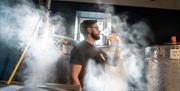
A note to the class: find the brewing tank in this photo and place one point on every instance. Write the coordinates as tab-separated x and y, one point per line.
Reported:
163	69
19	86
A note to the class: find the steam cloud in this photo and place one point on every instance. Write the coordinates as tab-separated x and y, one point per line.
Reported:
127	71
20	22
22	25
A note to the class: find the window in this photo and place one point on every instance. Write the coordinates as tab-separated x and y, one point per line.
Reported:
103	21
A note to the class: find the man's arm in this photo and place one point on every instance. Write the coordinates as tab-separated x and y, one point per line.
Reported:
75	70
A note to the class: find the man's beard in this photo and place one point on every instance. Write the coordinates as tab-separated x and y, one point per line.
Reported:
95	36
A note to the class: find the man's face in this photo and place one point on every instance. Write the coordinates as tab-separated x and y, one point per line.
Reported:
95	32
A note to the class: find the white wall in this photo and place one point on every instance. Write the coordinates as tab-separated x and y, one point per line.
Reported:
163	4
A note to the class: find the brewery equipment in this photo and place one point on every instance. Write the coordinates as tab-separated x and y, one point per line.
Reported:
163	69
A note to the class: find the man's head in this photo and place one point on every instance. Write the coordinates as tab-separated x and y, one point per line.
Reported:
90	27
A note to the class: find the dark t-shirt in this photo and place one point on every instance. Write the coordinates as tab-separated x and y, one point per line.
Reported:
84	51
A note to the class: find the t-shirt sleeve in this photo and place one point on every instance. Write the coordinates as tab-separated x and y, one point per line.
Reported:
77	56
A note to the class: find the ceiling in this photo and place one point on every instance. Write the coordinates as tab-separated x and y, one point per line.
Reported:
163	4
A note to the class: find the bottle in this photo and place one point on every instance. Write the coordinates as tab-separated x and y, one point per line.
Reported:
173	40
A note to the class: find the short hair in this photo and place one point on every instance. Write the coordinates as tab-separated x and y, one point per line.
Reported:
85	24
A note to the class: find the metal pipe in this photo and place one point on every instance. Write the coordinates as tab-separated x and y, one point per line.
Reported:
48	4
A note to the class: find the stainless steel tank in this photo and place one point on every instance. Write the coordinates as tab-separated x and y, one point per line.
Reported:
29	88
163	70
18	86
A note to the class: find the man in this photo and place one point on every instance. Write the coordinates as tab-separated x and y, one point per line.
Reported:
85	50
